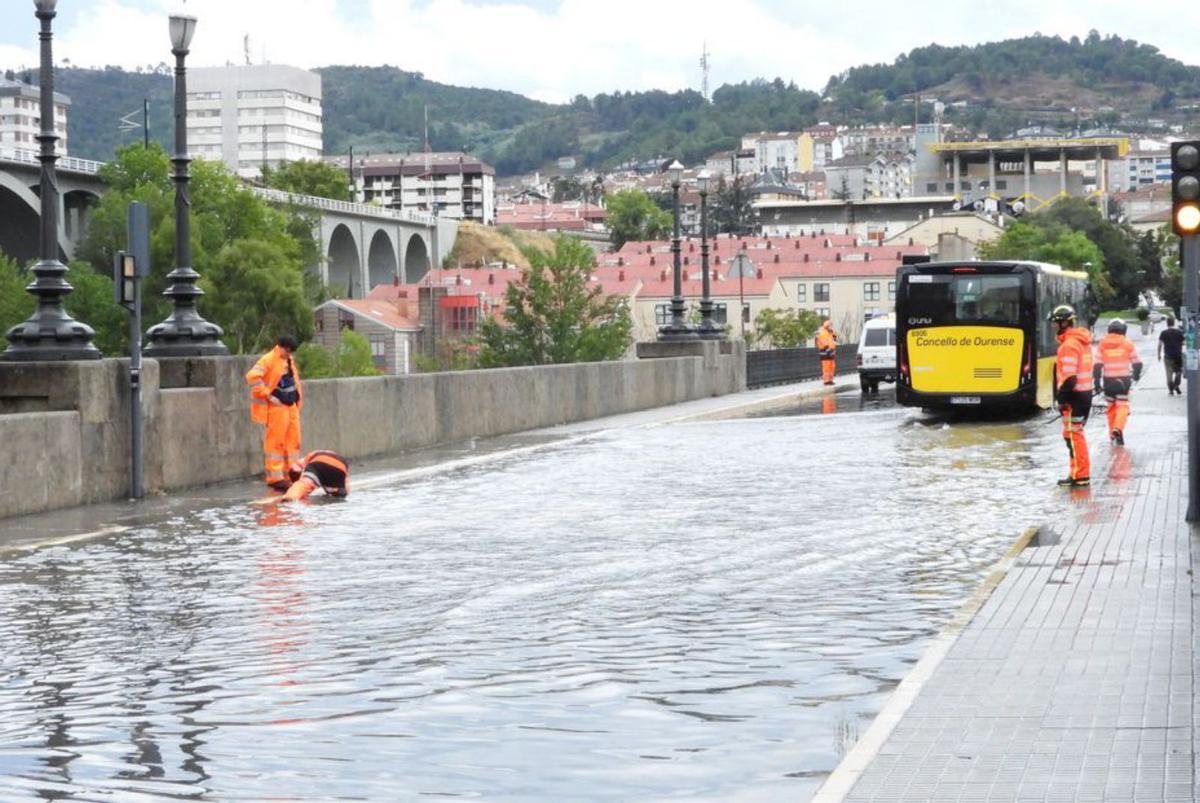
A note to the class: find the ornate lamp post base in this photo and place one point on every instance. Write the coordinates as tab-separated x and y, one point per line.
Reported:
50	334
672	333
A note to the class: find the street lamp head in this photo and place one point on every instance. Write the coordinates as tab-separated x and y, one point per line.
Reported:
182	28
702	181
675	171
45	6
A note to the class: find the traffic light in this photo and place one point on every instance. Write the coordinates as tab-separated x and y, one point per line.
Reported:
1185	187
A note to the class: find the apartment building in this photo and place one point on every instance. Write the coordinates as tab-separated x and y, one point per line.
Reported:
451	184
248	116
1139	169
21	117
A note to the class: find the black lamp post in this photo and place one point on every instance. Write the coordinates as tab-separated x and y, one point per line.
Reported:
184	333
708	328
49	333
678	328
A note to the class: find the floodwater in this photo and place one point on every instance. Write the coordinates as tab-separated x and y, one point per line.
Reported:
710	610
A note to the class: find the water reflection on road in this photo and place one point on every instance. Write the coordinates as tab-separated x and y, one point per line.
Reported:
695	611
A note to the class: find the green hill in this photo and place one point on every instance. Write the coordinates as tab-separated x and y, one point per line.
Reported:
993	88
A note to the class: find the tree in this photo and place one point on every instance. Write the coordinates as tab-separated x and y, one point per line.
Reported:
633	215
732	211
15	304
92	302
257	293
352	358
277	245
784	329
553	316
321	179
1047	241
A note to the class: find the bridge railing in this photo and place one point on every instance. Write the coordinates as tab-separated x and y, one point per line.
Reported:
345	207
779	366
70	163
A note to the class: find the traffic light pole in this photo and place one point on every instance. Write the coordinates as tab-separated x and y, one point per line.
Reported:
1190	264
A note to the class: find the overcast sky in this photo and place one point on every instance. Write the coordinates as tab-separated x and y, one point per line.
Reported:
555	49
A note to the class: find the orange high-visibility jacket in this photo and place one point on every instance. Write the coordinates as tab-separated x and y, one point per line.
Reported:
263	379
1118	356
1075	359
826	343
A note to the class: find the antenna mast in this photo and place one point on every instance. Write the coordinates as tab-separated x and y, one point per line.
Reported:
246	48
705	66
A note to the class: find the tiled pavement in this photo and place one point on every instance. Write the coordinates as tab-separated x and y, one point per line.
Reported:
1074	680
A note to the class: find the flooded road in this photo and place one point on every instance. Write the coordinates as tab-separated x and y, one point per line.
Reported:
694	611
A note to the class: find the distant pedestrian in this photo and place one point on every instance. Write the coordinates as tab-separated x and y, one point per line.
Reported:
275	401
827	351
1170	351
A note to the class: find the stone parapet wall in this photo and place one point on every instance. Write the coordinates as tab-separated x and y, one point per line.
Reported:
64	427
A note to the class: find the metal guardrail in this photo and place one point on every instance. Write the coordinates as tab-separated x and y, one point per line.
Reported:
69	163
89	167
345	207
778	366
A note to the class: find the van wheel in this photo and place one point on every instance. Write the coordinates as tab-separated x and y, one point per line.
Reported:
865	384
875	387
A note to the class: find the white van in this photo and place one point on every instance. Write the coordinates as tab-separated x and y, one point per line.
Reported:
877	352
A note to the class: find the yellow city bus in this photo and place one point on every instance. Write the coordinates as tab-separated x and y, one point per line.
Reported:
975	335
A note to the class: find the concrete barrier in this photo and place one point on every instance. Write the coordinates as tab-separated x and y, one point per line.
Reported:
65	426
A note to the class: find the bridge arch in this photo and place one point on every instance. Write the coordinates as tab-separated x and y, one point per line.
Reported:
416	259
382	265
344	265
20	221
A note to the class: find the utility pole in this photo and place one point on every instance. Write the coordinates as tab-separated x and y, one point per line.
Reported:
1185	220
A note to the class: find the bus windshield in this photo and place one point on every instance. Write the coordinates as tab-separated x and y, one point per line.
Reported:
945	300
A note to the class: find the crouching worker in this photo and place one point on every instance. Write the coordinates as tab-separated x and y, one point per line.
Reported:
326	470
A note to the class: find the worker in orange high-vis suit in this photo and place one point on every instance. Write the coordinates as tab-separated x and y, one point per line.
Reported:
1117	368
275	401
323	469
827	351
1073	391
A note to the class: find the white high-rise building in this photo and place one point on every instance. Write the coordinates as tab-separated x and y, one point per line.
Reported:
248	116
21	117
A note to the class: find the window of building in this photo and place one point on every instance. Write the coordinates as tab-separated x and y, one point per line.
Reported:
379	352
801	293
463	319
720	314
821	291
931	187
891	291
662	315
822	313
745	312
1001	184
345	320
949	186
870	291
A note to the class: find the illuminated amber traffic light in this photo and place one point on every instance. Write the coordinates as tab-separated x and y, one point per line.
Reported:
1185	187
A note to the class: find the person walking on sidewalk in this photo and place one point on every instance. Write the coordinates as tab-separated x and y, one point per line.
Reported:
1170	352
1117	367
827	351
1073	391
275	401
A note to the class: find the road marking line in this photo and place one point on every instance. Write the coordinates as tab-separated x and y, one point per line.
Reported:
62	540
850	769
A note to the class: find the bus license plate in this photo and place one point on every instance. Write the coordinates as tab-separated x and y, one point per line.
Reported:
965	400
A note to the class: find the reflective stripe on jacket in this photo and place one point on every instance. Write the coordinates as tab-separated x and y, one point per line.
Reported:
1075	359
264	378
1117	354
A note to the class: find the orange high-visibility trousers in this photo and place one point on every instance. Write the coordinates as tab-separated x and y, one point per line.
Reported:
1077	448
1118	414
281	442
827	370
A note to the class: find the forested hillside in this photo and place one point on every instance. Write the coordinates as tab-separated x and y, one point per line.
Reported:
992	88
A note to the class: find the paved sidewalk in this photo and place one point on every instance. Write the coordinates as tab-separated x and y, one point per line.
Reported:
1074	680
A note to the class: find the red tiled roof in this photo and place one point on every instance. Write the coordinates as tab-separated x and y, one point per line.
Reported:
381	312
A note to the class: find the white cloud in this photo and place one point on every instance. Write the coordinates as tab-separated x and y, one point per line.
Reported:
579	46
